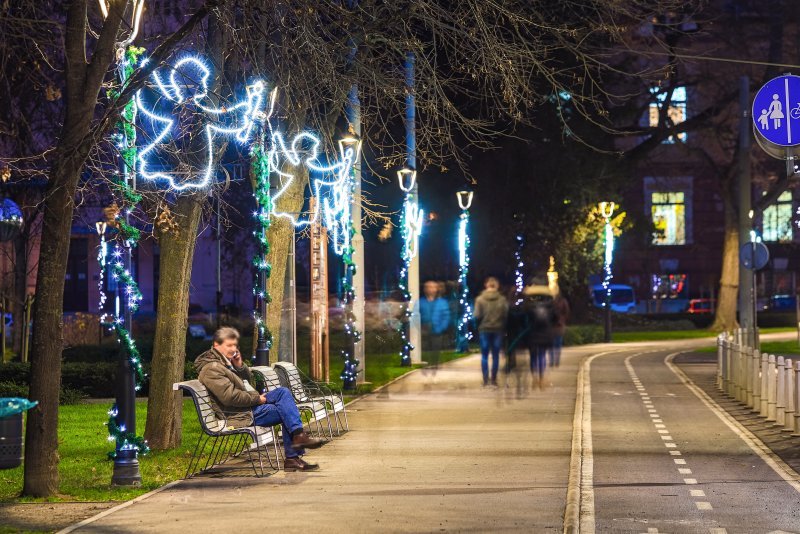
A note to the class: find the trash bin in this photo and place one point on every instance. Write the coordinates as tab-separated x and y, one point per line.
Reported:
11	430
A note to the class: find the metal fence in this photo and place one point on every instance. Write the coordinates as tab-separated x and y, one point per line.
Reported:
766	383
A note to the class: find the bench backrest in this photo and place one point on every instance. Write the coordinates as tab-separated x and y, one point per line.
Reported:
291	374
209	421
271	379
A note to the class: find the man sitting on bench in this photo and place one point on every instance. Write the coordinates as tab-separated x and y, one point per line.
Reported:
222	371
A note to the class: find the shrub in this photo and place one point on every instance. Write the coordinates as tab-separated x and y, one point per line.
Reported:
13	389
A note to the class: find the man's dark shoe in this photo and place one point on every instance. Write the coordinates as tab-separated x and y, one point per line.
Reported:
298	464
304	441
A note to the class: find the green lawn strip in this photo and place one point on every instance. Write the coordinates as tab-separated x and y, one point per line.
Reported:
667	335
86	473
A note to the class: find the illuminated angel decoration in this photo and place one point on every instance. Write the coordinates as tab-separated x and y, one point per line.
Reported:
331	189
182	93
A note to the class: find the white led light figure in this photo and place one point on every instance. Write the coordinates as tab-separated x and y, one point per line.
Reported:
606	211
136	14
235	122
332	191
463	334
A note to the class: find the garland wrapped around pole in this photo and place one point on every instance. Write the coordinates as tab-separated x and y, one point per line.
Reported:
349	149
121	421
410	230
463	334
260	169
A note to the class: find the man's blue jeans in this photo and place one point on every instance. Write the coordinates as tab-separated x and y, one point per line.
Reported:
538	358
555	351
490	341
280	408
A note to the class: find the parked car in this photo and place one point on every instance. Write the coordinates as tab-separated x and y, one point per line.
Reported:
701	306
623	299
783	302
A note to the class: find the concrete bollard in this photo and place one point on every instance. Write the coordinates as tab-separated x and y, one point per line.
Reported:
729	367
762	411
780	395
756	372
796	399
788	421
719	361
772	379
737	370
751	375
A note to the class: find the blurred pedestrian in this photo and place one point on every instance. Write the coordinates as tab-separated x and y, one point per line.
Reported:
434	314
539	316
561	310
491	312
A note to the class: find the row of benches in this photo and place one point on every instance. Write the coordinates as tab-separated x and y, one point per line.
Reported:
323	409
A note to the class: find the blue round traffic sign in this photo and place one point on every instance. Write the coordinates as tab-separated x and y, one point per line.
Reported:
754	256
776	111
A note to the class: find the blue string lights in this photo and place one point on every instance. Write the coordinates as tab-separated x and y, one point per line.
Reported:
463	333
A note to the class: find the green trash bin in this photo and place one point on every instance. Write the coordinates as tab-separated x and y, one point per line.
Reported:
11	430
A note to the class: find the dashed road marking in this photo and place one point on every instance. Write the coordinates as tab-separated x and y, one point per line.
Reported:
697	493
717	531
679	461
685	471
690	481
675	453
670	445
702	505
661	425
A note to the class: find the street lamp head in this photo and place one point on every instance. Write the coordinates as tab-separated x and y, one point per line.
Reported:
607	209
464	199
100	226
407	178
350	142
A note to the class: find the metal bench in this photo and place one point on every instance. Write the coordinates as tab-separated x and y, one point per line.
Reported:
306	390
315	409
228	442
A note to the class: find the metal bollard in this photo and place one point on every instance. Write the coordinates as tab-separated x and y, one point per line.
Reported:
749	365
780	396
762	411
788	421
796	399
756	372
737	369
772	380
720	359
729	366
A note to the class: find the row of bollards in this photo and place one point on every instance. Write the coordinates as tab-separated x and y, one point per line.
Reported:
766	383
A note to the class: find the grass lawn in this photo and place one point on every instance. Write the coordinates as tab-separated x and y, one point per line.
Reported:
86	473
667	335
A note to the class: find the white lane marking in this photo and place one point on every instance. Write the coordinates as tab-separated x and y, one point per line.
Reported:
660	425
697	493
670	445
675	453
690	481
662	430
652	410
657	420
679	461
685	471
756	445
702	505
666	438
717	531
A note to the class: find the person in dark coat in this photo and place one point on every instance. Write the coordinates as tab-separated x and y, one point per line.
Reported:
561	309
540	319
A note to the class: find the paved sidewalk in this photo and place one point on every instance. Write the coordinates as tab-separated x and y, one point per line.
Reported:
421	456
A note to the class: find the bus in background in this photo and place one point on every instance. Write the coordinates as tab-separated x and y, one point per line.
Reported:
623	299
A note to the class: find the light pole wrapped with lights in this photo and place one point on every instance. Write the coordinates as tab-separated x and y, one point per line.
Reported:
349	148
410	230
606	211
463	333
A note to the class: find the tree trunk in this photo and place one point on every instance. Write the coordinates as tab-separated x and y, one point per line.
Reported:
280	234
163	427
41	437
725	319
20	288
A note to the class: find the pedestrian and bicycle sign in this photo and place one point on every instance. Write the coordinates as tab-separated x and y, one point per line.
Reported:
776	115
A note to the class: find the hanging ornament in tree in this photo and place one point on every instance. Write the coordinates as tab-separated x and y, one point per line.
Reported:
165	221
11	221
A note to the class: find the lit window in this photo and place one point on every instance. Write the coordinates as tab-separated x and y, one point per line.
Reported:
676	113
776	222
669	218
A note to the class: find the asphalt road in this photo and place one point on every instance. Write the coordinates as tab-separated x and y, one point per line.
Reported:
632	448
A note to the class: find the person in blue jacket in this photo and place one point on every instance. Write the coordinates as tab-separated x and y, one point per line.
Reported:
434	314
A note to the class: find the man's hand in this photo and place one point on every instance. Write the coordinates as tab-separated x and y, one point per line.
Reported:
263	398
236	360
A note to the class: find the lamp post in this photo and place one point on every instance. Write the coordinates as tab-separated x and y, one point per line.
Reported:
606	211
463	334
349	148
410	228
